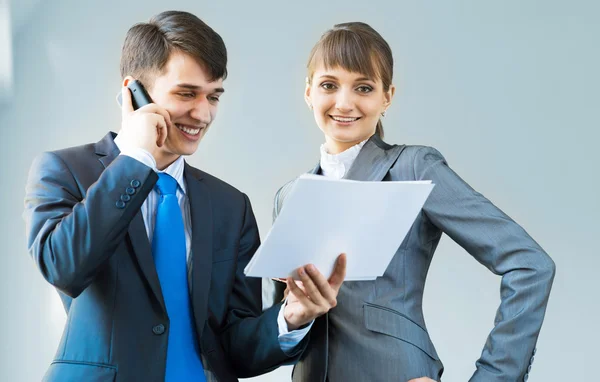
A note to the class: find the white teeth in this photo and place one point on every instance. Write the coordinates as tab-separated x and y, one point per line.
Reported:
342	119
188	130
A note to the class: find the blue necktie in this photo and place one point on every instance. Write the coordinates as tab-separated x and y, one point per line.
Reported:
170	258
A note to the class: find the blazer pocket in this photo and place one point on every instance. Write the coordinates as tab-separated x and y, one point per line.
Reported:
386	321
72	371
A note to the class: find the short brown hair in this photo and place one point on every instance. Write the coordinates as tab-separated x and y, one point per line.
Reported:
147	46
355	47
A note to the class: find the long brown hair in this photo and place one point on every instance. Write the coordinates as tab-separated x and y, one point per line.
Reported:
355	47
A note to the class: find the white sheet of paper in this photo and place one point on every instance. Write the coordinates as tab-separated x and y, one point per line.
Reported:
324	217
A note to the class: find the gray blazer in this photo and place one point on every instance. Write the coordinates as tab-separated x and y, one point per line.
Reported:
377	331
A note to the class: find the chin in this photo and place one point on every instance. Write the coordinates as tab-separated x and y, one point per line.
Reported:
188	151
346	137
183	149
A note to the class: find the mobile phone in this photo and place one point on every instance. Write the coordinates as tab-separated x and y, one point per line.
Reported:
139	95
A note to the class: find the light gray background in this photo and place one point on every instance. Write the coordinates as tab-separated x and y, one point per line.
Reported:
507	91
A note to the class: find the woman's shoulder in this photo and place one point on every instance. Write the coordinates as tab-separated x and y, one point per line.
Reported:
414	160
421	153
408	151
280	196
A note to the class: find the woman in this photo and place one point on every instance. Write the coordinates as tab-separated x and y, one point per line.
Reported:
377	331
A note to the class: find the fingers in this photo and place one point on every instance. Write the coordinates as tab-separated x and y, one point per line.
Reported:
313	285
316	296
153	116
320	292
155	109
339	273
323	292
297	292
290	296
161	131
163	121
286	293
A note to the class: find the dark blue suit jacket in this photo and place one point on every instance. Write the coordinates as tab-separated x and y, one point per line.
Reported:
94	249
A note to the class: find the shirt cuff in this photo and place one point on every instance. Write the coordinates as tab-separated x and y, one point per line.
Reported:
142	156
289	340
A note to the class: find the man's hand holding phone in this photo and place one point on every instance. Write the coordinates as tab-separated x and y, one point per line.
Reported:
144	128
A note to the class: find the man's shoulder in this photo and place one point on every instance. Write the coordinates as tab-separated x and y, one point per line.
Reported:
74	156
75	152
78	153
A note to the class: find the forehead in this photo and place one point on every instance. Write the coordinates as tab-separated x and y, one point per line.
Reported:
183	68
341	74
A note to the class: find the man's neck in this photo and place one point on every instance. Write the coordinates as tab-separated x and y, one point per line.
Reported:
164	161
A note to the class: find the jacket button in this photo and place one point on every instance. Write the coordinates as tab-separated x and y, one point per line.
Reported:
531	361
135	183
534	351
158	329
120	204
526	377
130	191
125	197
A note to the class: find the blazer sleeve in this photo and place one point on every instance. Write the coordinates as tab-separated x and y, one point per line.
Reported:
69	236
278	290
500	244
251	336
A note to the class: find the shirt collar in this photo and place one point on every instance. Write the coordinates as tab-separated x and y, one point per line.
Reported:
175	169
336	165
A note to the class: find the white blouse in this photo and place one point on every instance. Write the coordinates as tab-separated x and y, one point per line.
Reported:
337	165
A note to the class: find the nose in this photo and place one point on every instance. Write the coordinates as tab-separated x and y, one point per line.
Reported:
344	101
201	111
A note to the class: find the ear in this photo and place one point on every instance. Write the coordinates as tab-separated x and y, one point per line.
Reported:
388	96
127	80
307	91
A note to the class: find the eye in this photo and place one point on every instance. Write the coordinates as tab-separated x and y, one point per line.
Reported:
328	86
364	89
213	99
187	95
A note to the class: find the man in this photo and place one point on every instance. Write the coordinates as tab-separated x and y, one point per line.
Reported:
147	252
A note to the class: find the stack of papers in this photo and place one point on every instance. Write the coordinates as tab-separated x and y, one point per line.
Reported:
324	217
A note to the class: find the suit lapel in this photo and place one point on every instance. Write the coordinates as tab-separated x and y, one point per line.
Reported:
143	252
374	160
316	170
107	151
372	164
202	231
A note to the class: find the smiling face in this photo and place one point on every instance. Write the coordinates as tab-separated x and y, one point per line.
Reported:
346	105
185	91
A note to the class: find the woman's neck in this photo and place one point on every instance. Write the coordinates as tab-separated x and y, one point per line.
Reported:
335	147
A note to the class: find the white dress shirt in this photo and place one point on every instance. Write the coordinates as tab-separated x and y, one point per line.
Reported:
287	340
337	165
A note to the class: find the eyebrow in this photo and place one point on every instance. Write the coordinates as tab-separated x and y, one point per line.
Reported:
356	80
196	87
